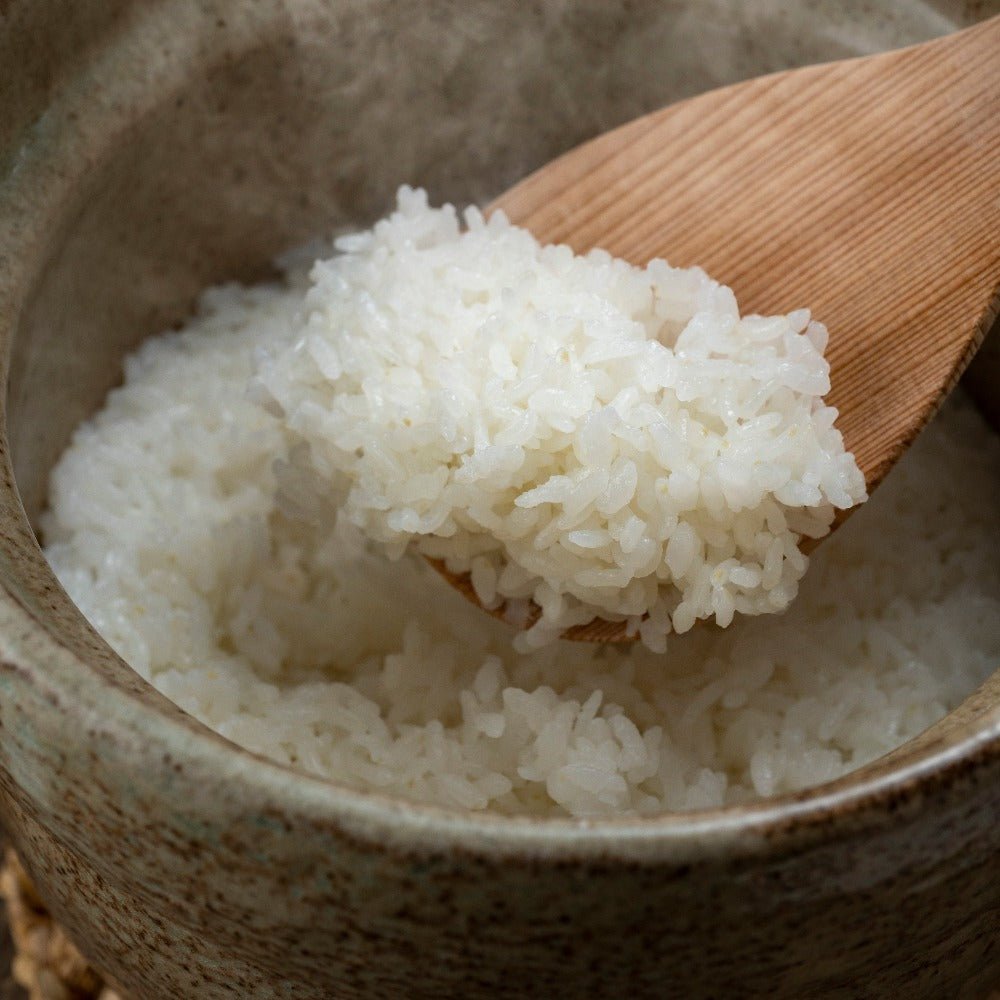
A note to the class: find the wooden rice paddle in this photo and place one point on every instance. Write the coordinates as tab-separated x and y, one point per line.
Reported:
866	190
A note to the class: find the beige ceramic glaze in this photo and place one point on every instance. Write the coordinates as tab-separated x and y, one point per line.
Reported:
150	148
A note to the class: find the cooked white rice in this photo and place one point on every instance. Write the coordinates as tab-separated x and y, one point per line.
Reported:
312	650
606	440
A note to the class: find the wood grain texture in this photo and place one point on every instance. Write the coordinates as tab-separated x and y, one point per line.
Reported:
867	190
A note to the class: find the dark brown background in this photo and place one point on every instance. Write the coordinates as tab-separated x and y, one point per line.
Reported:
9	990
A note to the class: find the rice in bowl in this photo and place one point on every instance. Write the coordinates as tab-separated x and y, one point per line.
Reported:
176	524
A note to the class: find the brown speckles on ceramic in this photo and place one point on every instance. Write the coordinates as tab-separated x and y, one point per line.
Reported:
147	150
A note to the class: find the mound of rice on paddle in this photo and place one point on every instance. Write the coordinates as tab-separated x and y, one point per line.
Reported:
603	440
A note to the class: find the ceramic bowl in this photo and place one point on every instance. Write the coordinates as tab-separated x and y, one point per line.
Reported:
150	149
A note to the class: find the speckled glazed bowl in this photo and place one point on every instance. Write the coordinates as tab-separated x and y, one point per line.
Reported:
150	148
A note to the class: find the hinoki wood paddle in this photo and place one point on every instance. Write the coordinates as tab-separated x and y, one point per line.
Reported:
866	190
